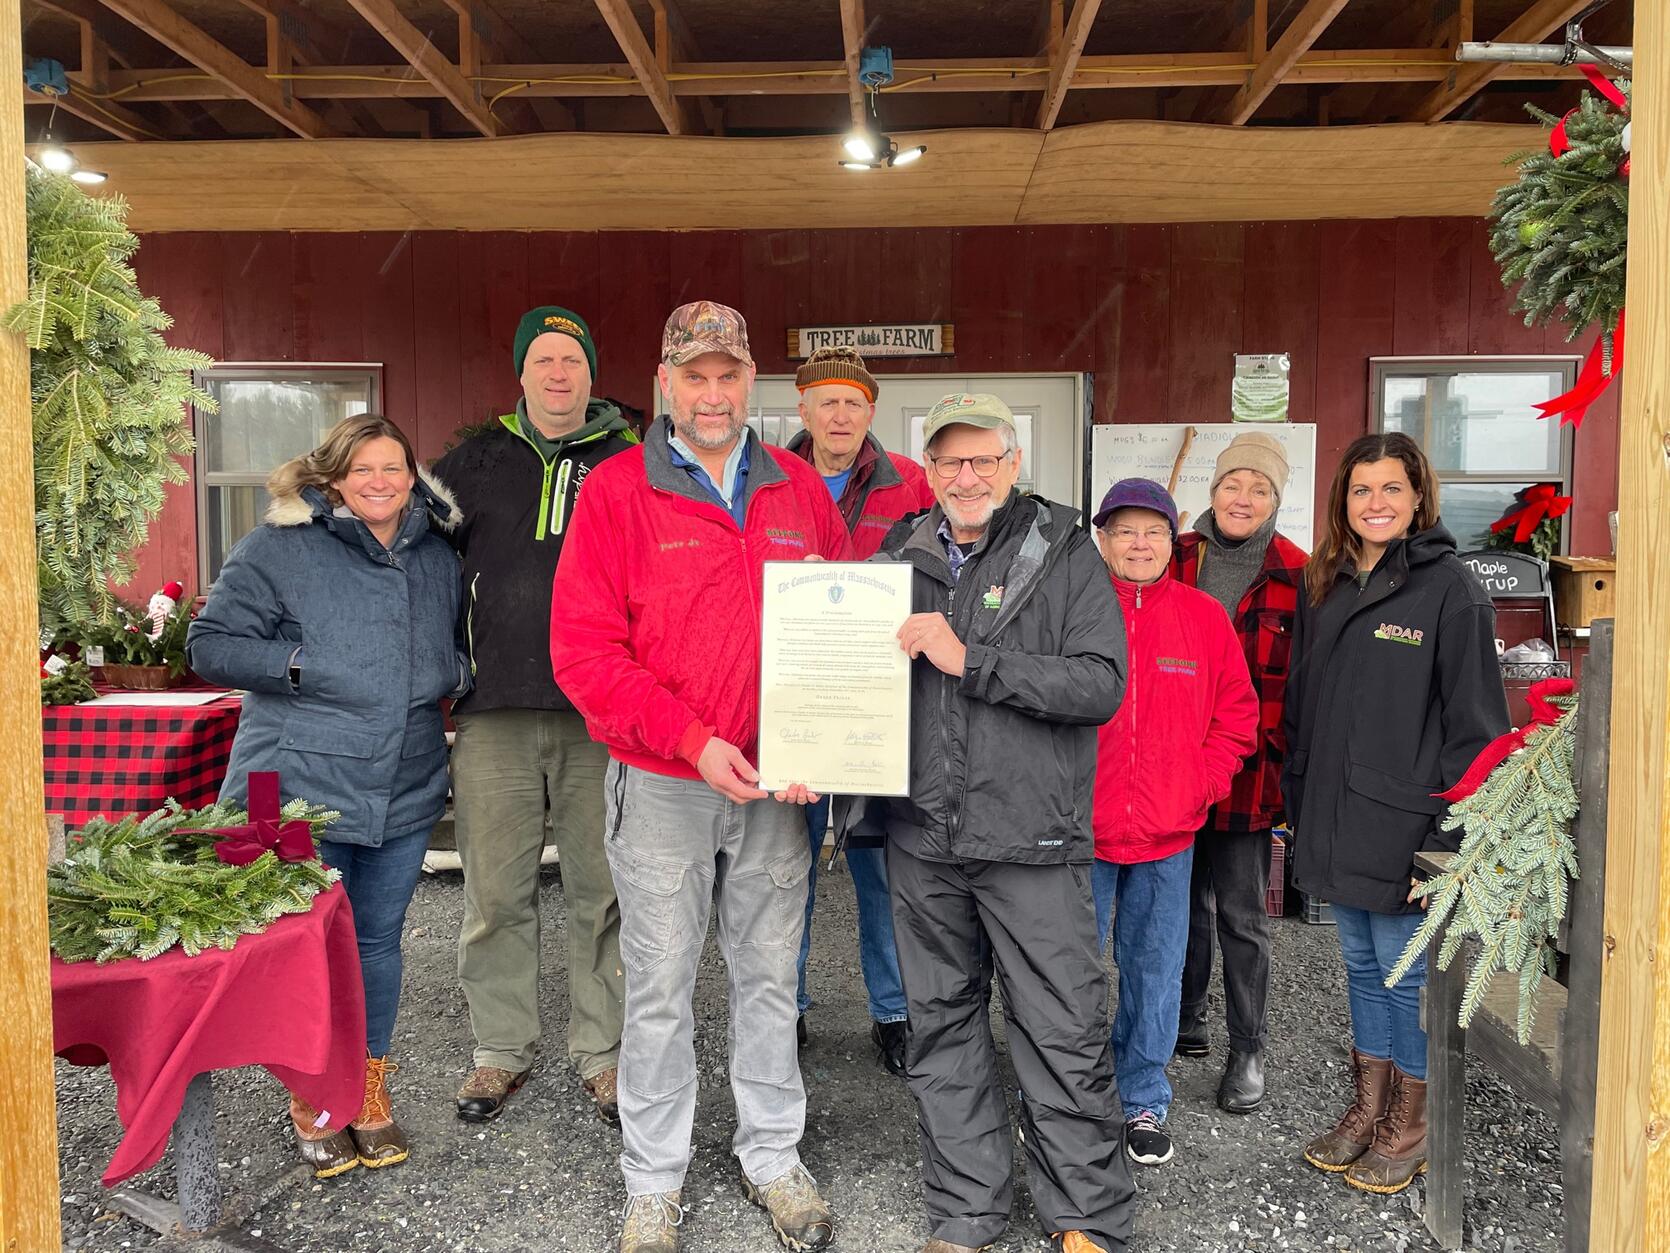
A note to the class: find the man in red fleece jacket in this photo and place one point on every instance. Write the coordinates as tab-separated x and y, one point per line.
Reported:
655	637
1190	716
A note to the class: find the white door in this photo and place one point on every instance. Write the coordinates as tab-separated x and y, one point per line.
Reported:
1048	408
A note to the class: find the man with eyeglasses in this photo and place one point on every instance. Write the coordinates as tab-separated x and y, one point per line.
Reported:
1019	654
1188	719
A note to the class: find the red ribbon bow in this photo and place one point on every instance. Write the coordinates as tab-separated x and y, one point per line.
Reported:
292	841
1536	503
1543	713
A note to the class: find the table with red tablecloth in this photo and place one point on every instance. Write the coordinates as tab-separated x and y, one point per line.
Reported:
289	999
108	761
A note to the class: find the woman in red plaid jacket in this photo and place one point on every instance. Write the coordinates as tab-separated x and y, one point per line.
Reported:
1236	555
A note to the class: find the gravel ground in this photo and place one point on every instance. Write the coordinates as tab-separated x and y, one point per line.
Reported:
544	1176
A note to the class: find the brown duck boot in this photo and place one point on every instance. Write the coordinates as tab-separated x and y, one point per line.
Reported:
376	1135
1398	1153
1349	1140
603	1090
328	1153
799	1216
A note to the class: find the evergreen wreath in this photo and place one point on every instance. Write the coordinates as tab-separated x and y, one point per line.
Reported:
108	397
1508	884
1561	230
137	887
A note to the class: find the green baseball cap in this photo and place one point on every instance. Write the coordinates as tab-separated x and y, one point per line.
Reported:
980	409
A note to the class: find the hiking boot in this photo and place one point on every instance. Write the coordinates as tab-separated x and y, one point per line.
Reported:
799	1216
1242	1089
1398	1152
377	1137
601	1087
484	1093
936	1245
328	1153
1193	1040
1147	1143
889	1039
1075	1242
650	1223
1335	1150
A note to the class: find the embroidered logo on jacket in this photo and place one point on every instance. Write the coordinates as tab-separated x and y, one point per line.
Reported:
785	535
1399	634
1178	665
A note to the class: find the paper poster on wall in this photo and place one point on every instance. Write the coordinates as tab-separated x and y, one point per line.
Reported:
1259	390
1186	455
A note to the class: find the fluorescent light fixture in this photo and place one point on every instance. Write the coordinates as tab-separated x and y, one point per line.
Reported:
860	146
57	158
857	165
909	155
89	177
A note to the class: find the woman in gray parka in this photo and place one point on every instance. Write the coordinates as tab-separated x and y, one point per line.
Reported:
339	617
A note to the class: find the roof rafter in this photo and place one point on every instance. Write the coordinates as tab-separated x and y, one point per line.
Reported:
1532	26
484	34
428	60
675	114
168	28
1295	41
1065	59
92	80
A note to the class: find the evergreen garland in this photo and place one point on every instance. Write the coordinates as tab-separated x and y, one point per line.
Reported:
137	887
67	686
108	397
1560	231
1508	884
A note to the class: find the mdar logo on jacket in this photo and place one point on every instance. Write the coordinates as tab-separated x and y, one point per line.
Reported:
1399	634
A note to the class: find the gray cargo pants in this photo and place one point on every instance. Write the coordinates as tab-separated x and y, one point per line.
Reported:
676	846
1037	926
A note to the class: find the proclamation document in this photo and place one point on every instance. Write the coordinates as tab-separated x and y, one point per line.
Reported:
834	683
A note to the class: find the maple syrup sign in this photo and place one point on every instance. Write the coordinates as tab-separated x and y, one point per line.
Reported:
892	339
1506	575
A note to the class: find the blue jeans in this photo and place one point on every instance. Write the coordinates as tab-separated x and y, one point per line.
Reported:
1148	905
1385	1022
877	956
379	882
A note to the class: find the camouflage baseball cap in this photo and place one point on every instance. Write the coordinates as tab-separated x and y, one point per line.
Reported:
703	326
980	409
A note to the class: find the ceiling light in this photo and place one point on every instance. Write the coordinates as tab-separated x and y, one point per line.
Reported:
89	177
908	155
861	146
57	158
858	165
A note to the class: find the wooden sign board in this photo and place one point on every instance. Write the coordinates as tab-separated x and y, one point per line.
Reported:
1508	576
891	339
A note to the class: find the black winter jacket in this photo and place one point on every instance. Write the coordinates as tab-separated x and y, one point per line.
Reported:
1392	692
1003	759
516	509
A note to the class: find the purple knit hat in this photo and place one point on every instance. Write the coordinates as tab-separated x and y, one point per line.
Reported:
1138	494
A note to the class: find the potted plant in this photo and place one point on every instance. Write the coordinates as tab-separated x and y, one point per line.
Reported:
145	649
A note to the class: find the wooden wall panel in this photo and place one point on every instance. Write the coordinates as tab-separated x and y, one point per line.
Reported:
259	299
1431	298
1207	287
706	265
329	275
1493	329
1108	291
987	294
631	308
1140	388
1283	274
437	341
388	330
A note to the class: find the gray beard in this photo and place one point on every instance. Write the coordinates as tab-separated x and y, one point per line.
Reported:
691	434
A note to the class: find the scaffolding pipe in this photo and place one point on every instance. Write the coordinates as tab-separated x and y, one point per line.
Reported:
1543	54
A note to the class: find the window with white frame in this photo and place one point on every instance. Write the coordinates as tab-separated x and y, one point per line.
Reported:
268	414
1475	418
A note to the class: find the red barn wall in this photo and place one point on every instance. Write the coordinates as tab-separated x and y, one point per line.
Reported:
1154	311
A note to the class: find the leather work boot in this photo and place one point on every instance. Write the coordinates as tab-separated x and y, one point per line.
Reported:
601	1087
651	1223
889	1039
329	1153
484	1093
1075	1242
1193	1039
1349	1140
936	1245
799	1216
1242	1089
376	1135
1398	1153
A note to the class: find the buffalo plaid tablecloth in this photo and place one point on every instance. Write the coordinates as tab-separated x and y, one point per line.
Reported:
108	761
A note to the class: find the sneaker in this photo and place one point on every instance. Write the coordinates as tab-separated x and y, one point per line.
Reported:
651	1223
1146	1141
799	1216
889	1039
602	1088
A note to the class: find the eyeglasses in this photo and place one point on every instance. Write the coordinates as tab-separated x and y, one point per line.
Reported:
951	467
1130	535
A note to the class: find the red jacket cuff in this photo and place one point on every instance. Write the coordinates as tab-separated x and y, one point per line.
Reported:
693	741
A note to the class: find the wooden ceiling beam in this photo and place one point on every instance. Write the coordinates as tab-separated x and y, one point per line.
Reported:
1064	63
168	28
423	56
675	114
675	41
852	42
485	34
1533	26
317	39
119	43
91	82
1295	41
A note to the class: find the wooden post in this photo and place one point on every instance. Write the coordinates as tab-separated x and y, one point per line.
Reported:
29	1163
1631	1207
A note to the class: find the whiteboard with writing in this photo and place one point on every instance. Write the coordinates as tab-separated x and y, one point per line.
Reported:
1119	451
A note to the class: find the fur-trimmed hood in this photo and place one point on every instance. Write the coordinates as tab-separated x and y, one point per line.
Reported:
300	507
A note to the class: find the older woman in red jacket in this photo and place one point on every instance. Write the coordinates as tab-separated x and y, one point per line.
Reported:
1169	754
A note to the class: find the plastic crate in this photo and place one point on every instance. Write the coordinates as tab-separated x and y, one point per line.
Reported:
1317	912
1275	891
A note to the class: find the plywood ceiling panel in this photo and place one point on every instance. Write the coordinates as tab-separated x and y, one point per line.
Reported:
1101	172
